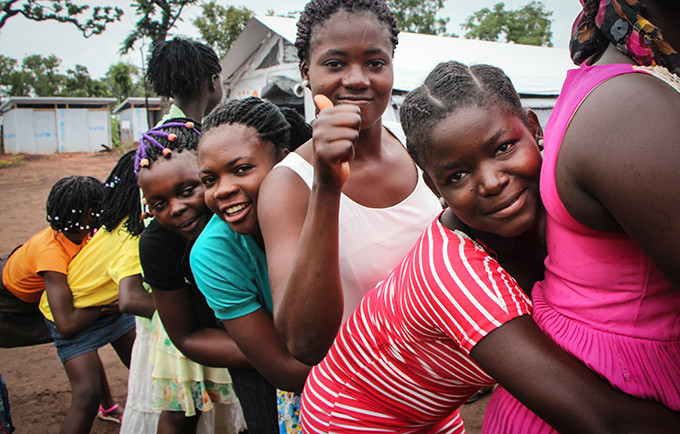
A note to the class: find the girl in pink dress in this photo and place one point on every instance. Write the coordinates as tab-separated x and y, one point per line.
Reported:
610	295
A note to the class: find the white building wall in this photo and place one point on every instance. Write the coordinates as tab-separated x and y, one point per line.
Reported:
25	131
10	131
99	130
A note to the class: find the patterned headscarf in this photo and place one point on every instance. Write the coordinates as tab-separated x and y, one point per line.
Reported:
622	23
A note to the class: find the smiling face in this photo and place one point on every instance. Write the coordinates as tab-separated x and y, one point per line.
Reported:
350	61
233	162
175	195
485	163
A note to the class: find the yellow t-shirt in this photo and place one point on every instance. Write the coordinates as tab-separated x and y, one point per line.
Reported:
96	271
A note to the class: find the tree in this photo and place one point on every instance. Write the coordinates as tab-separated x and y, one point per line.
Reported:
124	80
419	16
152	26
13	82
40	76
219	26
78	82
43	76
529	25
63	11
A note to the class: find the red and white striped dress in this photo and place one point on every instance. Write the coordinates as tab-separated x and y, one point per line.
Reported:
401	362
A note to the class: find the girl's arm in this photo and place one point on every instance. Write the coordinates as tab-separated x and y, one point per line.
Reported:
207	346
133	298
301	239
257	338
560	389
67	319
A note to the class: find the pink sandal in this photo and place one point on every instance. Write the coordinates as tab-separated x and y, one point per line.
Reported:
105	414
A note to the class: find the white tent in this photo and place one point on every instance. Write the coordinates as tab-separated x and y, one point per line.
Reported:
264	58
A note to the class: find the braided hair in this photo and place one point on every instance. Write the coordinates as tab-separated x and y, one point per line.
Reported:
450	86
179	67
121	197
317	12
174	135
70	200
284	127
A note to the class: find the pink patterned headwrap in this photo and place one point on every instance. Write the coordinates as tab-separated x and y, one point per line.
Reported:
622	23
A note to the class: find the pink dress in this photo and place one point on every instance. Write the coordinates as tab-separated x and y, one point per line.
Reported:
602	300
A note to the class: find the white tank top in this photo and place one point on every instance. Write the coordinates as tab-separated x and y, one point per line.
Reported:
372	241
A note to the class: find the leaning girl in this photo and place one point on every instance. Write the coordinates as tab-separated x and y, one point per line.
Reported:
450	319
187	333
51	250
107	266
242	141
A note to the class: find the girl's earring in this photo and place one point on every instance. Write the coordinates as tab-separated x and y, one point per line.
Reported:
539	142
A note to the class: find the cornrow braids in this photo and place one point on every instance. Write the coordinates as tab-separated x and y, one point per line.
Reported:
300	130
70	200
121	197
284	128
179	67
448	87
317	12
174	135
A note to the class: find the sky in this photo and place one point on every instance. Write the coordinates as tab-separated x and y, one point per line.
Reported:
21	37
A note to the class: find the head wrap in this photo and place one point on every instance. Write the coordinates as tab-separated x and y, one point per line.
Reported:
622	23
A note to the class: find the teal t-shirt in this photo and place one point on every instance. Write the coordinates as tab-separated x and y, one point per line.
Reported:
231	271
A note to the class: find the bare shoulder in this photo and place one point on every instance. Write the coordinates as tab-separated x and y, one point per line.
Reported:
620	142
282	201
624	115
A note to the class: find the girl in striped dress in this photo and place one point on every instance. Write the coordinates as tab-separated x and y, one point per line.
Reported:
452	317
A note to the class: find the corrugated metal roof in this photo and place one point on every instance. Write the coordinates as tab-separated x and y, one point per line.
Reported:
38	101
136	101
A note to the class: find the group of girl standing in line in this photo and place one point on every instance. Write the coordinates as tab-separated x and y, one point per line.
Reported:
329	265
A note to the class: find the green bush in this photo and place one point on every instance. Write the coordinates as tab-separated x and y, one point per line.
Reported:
115	132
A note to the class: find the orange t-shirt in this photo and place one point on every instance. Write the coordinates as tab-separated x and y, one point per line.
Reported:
48	250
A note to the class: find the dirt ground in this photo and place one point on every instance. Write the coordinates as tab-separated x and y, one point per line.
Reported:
38	388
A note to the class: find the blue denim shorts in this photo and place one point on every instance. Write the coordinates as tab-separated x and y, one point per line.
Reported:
105	330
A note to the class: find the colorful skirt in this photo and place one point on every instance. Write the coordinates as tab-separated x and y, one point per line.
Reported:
179	384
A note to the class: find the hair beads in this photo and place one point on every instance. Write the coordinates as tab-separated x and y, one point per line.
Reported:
175	134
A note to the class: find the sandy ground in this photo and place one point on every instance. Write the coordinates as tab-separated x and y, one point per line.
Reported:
38	388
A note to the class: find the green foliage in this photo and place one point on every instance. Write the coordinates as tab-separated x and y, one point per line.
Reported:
115	132
40	76
14	160
156	18
219	26
529	25
13	82
78	82
43	75
124	80
419	16
63	11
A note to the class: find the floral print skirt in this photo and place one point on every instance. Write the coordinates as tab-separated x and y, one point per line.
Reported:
180	384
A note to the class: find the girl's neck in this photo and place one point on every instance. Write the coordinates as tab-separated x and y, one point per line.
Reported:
369	143
76	238
193	108
521	256
609	56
